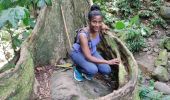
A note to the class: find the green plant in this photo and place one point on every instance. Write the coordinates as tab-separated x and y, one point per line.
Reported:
130	33
145	14
127	7
5	4
148	92
157	3
145	30
158	21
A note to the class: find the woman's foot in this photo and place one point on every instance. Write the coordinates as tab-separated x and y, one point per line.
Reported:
78	75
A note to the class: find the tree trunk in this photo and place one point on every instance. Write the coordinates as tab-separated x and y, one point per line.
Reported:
49	42
17	83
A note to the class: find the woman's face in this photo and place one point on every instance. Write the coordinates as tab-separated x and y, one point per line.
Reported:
96	23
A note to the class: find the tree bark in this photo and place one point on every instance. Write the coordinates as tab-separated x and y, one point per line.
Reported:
49	42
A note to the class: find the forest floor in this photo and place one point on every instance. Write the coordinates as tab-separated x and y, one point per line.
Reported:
58	83
147	56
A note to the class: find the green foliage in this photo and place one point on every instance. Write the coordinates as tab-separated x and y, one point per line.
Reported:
119	25
127	7
130	33
158	21
16	42
134	20
157	2
13	15
134	41
145	30
5	4
145	14
148	92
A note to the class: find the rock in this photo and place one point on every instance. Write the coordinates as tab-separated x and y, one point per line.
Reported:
149	52
162	87
162	58
168	33
168	55
165	12
145	49
161	73
152	44
150	39
157	34
167	97
66	88
169	66
167	43
167	4
156	50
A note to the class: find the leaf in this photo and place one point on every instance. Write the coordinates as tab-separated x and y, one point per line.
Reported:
48	2
12	16
5	36
134	20
67	65
26	19
119	25
143	32
25	35
16	42
41	3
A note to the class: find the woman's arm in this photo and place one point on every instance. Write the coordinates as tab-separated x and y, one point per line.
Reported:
86	52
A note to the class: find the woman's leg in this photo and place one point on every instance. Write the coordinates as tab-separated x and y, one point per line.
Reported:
84	65
103	68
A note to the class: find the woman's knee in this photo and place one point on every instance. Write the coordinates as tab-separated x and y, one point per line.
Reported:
105	69
92	69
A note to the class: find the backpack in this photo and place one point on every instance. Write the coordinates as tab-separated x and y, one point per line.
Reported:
81	30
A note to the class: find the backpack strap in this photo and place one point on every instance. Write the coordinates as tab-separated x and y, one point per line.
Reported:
84	30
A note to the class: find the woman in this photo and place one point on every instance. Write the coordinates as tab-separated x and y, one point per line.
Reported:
84	53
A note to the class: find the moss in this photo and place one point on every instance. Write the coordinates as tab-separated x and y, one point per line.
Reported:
18	86
24	87
162	59
8	86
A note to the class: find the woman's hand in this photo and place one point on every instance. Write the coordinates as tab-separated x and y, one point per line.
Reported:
113	62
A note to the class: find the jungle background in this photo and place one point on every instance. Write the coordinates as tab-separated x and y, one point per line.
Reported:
142	25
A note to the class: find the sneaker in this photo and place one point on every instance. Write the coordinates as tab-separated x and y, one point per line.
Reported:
88	77
78	75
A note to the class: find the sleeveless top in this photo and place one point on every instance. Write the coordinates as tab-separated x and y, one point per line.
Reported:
92	43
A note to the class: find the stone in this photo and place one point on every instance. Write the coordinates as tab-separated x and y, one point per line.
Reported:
66	88
168	64
156	50
165	12
167	43
162	58
150	39
161	73
168	55
162	87
167	97
145	49
149	52
167	33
